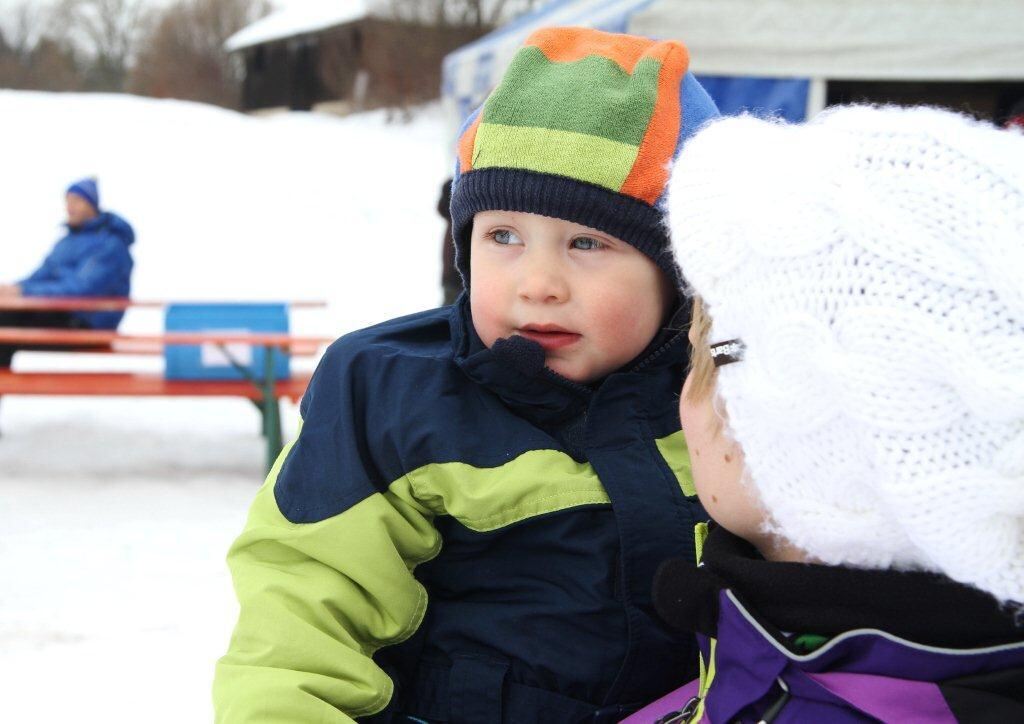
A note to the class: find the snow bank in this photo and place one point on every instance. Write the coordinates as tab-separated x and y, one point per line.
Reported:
230	206
116	514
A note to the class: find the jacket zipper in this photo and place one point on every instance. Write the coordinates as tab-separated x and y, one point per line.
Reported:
649	359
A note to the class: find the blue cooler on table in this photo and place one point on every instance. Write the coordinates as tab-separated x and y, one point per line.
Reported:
208	361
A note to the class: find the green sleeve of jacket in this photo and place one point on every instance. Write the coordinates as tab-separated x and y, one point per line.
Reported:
317	600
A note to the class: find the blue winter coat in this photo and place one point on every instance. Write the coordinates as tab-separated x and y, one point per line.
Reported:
91	261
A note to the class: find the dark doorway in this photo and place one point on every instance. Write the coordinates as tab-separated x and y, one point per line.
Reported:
987	100
304	83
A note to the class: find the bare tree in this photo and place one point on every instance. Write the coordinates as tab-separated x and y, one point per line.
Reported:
26	23
405	56
107	31
32	56
182	51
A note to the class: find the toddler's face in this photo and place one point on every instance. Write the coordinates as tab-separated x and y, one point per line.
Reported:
593	302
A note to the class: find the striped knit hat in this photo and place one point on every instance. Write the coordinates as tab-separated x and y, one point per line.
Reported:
583	127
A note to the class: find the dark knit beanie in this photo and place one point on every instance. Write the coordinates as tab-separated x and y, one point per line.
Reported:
583	127
88	189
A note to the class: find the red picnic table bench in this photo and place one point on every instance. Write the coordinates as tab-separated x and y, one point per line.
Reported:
261	389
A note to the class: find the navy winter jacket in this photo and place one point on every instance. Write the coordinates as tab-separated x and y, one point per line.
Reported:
91	261
462	536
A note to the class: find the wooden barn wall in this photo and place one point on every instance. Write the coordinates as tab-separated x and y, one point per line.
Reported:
404	60
402	64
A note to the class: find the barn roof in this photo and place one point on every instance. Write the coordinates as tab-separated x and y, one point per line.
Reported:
298	18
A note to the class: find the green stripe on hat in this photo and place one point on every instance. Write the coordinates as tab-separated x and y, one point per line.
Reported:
580	156
594	96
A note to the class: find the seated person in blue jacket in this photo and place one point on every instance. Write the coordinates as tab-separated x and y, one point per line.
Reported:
855	416
468	525
92	260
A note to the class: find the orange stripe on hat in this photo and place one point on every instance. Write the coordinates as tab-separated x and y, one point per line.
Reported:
566	45
647	178
466	144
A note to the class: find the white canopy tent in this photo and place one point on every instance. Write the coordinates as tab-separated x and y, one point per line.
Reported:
796	46
845	39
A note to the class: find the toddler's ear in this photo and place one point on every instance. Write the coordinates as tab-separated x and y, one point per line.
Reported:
686	597
520	353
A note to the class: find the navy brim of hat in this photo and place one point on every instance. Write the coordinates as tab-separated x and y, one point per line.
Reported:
504	189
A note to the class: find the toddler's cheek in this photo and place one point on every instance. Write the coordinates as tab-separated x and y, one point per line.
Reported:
629	325
486	319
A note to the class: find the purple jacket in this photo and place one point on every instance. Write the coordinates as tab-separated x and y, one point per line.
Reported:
901	647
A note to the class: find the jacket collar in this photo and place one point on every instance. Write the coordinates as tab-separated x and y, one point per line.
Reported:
91	225
894	637
866	670
925	608
512	369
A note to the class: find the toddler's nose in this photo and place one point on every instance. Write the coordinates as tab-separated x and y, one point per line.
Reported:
542	280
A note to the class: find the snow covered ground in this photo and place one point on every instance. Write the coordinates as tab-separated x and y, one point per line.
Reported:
115	515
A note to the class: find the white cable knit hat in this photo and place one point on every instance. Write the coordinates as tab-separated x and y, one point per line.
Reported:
872	262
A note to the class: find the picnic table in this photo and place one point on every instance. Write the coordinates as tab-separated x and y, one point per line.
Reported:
262	388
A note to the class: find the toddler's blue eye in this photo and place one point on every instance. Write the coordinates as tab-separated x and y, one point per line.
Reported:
506	237
586	243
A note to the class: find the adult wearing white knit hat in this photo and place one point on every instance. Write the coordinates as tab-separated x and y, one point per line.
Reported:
856	407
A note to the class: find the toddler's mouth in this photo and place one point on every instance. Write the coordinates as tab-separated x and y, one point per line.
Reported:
549	336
